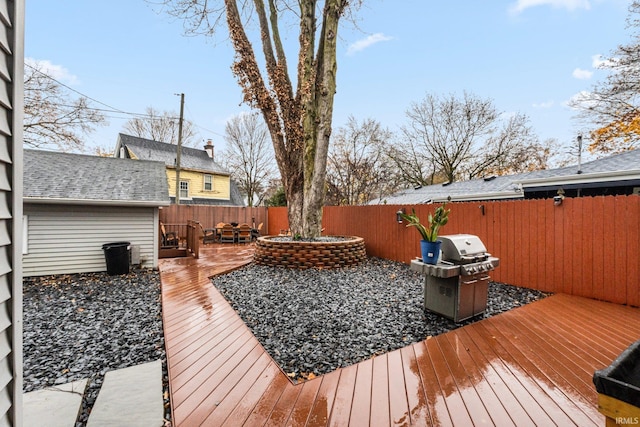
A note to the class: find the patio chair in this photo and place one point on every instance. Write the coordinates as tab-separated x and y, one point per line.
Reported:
244	233
169	238
209	235
227	234
256	232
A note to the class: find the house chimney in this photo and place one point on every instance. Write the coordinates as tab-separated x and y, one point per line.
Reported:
209	148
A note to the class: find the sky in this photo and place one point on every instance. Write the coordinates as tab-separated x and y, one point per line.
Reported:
528	56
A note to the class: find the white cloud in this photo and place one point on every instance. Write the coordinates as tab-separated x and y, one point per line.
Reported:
581	74
547	104
367	42
599	61
521	5
581	99
58	72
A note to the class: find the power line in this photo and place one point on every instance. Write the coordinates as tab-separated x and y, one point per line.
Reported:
103	110
201	127
114	109
73	90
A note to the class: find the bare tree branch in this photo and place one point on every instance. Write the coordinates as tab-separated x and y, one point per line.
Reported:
249	156
612	108
52	117
464	138
299	122
161	127
358	169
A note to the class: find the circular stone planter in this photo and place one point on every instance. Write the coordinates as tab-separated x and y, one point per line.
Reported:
276	252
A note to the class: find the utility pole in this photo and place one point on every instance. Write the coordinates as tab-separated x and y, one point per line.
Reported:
179	149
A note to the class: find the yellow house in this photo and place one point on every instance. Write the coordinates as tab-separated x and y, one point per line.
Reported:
202	180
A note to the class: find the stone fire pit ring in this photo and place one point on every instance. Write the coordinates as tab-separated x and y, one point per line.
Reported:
341	251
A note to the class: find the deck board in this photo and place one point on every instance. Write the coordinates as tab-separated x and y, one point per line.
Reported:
323	402
445	385
418	412
306	399
380	395
530	366
361	404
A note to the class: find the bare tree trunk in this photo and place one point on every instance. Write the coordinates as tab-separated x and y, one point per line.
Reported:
317	144
300	124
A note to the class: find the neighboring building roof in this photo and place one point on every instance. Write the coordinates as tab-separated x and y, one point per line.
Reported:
616	170
147	149
52	177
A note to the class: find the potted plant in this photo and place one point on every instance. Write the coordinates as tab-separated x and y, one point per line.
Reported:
429	245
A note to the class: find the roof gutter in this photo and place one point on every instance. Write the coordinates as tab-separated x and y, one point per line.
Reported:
584	178
94	202
495	195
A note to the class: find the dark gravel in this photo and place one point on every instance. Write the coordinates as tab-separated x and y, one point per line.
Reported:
83	325
314	321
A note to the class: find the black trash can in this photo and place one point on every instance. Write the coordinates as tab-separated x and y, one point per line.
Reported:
117	257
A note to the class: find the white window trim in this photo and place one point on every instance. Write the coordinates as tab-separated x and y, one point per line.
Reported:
188	196
204	183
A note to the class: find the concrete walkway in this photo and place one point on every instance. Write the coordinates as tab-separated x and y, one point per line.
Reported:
56	406
128	397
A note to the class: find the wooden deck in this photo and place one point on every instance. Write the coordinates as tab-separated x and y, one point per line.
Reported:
530	366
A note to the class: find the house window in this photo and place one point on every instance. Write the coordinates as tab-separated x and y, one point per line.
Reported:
184	189
208	183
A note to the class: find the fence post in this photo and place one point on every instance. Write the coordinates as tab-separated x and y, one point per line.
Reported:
193	240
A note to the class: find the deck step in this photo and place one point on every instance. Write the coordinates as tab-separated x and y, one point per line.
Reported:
56	406
130	397
172	253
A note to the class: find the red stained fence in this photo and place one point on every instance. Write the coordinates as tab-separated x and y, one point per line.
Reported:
586	246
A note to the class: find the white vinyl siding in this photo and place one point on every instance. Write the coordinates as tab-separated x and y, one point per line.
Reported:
25	235
11	168
69	239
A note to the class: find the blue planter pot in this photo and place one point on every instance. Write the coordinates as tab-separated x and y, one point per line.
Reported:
430	251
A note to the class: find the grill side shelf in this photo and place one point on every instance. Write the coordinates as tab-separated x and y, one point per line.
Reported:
439	270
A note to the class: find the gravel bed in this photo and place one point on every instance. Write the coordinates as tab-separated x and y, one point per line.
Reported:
314	321
83	325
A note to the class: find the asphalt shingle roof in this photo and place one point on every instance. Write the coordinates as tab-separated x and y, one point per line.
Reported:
508	185
190	158
67	176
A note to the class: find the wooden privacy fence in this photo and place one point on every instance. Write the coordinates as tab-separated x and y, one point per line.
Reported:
586	246
209	216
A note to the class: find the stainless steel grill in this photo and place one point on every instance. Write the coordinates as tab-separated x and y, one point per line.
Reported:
457	287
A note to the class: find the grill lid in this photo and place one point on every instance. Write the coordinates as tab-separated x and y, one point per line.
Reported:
462	247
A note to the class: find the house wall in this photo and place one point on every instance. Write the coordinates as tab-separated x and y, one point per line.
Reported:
68	239
221	185
587	246
11	119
